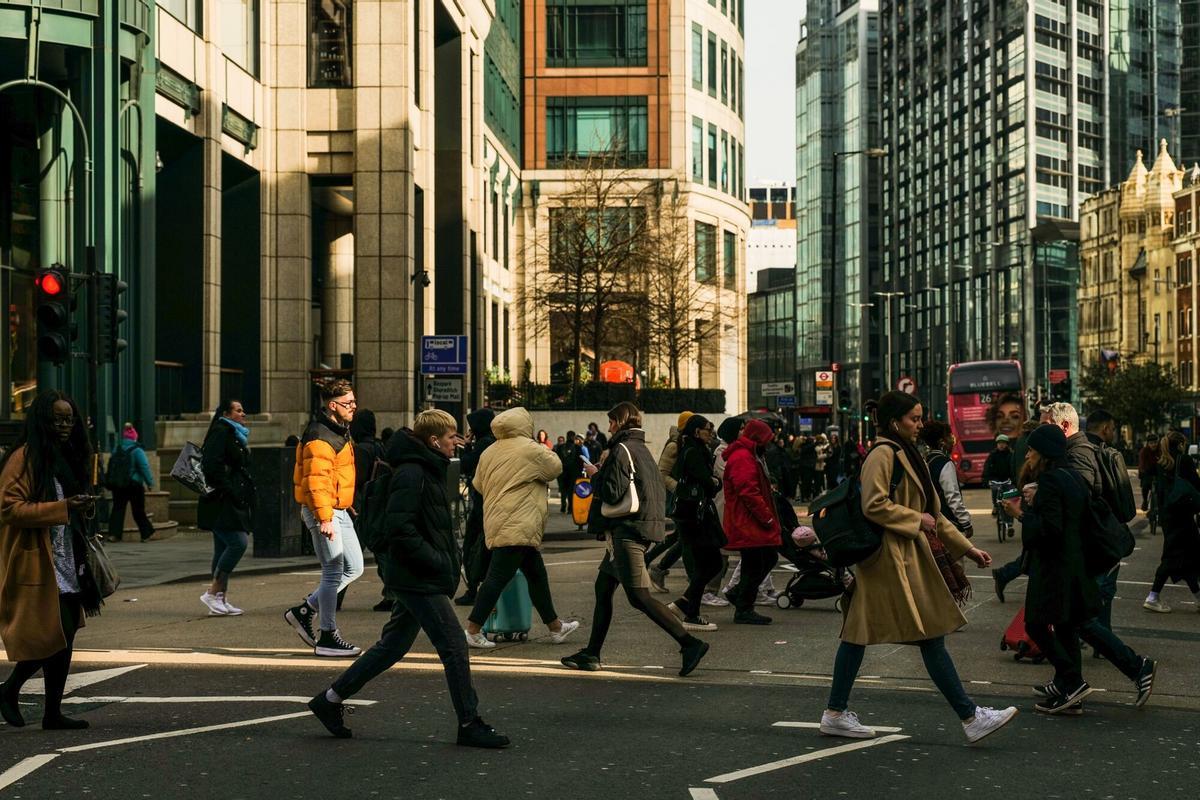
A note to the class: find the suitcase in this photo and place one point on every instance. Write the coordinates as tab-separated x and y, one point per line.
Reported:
1016	639
512	617
581	504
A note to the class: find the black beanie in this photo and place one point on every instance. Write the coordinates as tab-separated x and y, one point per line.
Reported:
1049	441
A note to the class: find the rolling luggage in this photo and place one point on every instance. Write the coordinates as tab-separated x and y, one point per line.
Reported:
1016	639
512	617
581	504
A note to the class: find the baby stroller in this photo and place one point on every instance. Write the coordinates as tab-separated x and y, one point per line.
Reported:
815	578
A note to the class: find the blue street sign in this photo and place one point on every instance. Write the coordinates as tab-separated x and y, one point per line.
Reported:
786	400
444	355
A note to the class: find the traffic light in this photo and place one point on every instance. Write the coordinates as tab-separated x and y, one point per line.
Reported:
844	399
55	303
110	316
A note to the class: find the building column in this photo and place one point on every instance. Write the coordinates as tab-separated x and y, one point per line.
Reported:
210	300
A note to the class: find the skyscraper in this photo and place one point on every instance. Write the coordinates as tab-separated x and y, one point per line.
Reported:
1189	82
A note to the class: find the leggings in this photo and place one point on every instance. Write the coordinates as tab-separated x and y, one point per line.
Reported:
505	563
54	668
703	563
1163	574
670	548
757	563
620	563
938	664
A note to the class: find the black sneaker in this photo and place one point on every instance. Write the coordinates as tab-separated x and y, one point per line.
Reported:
583	660
750	617
10	710
332	715
301	619
692	652
383	605
1048	690
1062	703
1145	681
479	734
332	645
999	584
468	599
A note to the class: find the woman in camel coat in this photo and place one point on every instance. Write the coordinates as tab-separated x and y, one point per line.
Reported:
908	591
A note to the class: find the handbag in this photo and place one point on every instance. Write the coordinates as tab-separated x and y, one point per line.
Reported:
187	469
101	567
629	503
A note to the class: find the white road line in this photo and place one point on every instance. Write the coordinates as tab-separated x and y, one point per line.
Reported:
804	759
24	768
876	728
78	680
703	794
200	699
185	732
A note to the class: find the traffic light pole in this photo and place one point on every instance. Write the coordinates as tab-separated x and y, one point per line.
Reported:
93	360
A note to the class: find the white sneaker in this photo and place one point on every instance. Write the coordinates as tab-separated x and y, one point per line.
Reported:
230	608
1157	605
765	599
568	627
216	606
987	720
479	640
713	600
845	724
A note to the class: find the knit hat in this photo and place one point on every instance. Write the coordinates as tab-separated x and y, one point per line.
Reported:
1002	438
683	418
1049	441
729	429
130	432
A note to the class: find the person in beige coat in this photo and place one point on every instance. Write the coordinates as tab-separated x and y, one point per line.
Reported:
908	591
512	477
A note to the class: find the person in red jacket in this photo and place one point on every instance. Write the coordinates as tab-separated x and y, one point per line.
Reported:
751	524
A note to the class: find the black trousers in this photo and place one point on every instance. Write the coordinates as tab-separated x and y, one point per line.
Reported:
703	563
566	493
434	614
757	563
55	668
504	565
476	556
1060	644
134	497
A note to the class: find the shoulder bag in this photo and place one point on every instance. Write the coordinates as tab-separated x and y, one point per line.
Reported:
629	503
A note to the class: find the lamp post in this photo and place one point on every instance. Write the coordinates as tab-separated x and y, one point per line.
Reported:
887	331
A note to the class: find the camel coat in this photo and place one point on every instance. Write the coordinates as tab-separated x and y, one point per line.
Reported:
30	627
899	594
512	477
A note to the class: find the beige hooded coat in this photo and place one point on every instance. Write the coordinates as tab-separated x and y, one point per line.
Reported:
513	477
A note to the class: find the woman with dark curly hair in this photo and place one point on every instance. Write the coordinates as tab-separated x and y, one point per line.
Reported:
1006	415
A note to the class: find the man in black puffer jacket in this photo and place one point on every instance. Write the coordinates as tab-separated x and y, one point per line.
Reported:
476	557
420	567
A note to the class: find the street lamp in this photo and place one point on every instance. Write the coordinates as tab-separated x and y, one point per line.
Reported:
887	331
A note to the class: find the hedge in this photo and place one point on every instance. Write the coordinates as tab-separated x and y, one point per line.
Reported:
598	396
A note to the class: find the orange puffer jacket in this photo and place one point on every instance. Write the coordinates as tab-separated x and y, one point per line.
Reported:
324	476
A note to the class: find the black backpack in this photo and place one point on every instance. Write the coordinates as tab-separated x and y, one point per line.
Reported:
119	474
837	516
372	517
1116	489
1106	540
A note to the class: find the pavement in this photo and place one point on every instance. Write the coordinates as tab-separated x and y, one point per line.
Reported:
186	705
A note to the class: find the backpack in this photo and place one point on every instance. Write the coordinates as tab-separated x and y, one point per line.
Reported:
372	517
1106	540
837	516
119	474
1115	486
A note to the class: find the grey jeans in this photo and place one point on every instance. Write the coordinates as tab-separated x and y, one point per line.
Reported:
341	562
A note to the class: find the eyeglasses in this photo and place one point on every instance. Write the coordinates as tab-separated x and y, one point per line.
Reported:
64	421
349	404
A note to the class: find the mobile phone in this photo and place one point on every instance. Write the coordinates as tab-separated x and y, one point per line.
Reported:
1010	494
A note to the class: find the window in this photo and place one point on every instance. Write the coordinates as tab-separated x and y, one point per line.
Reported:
329	44
697	57
733	81
724	74
416	26
577	127
597	34
697	149
495	334
729	259
574	238
712	64
712	156
741	90
239	33
706	252
733	181
724	161
186	11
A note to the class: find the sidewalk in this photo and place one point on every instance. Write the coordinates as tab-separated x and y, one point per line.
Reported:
188	556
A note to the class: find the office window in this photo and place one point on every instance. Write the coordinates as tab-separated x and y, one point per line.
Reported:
416	26
697	57
186	11
507	331
724	74
597	34
733	181
706	252
741	90
239	33
729	259
724	6
712	64
733	85
577	127
712	156
495	334
329	44
724	161
697	149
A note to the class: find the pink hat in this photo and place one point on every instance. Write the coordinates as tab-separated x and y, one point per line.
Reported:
130	432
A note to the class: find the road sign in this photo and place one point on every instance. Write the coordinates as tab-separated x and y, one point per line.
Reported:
443	390
786	401
1058	376
824	397
444	355
804	424
906	385
824	379
778	388
835	367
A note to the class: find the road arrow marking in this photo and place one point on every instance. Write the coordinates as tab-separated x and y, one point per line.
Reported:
729	777
79	748
78	680
24	768
703	794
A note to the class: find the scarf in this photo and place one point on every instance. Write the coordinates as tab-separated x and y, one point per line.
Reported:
239	430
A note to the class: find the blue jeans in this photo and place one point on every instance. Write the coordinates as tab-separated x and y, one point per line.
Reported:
341	562
1012	570
938	664
228	548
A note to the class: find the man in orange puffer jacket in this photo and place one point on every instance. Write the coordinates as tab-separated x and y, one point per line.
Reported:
323	483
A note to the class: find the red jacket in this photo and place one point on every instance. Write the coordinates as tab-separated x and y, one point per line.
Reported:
750	518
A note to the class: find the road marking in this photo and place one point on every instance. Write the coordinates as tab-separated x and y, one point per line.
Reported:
185	732
79	679
230	699
703	794
804	759
876	728
24	768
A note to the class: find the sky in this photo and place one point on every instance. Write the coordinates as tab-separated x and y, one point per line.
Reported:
772	30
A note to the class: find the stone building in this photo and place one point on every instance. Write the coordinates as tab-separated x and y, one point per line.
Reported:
1187	262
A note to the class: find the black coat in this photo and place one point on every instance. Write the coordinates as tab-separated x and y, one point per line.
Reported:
695	514
226	466
418	553
612	482
1181	542
568	454
1059	588
999	466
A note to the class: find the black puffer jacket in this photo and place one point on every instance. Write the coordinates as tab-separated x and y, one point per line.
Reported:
226	467
612	482
419	554
1059	589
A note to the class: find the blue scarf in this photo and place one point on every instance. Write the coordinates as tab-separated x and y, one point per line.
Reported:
240	430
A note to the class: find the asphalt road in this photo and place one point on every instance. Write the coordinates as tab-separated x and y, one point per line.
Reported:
217	709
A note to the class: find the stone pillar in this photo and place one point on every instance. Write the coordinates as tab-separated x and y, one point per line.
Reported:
210	345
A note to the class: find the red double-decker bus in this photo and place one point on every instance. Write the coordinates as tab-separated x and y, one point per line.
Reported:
971	390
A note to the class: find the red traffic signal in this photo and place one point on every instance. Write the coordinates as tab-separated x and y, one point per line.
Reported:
51	282
54	306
